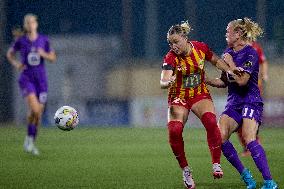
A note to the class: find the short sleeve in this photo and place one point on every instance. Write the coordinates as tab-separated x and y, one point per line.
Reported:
16	46
169	61
206	50
251	63
47	47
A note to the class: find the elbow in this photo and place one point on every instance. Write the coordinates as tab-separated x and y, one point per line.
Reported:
8	55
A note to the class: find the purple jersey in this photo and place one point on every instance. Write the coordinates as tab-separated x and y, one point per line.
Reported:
244	101
247	59
33	79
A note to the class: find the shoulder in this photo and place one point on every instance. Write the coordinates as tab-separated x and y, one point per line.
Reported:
228	50
251	51
21	39
170	55
199	44
203	47
43	37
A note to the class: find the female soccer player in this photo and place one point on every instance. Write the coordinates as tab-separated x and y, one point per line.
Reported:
244	104
183	74
262	77
33	48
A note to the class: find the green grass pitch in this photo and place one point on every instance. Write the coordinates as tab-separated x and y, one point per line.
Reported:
124	158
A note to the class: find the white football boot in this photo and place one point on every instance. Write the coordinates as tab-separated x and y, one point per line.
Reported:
187	178
217	171
29	146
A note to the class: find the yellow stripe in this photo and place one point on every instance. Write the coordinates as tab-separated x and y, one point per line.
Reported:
197	58
199	70
182	90
202	54
205	89
191	70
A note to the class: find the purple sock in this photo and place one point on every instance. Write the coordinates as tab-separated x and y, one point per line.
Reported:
259	157
232	156
32	130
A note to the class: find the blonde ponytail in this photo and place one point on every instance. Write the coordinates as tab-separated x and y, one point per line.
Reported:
185	27
182	29
250	29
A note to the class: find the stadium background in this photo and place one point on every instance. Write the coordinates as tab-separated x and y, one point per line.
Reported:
108	68
110	52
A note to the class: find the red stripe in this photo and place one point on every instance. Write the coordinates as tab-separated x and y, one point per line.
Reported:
187	73
179	81
199	54
195	70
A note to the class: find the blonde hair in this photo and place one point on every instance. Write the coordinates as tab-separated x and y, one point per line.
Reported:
250	29
182	29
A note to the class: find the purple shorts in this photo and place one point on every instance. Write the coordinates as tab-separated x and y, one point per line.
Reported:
250	111
38	86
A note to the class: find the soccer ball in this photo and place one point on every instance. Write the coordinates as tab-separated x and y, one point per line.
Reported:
66	118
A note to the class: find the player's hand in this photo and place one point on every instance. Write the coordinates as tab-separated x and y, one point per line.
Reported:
172	80
238	71
228	58
41	52
20	67
265	78
168	83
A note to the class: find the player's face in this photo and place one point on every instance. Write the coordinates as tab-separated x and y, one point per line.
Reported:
231	36
178	43
31	24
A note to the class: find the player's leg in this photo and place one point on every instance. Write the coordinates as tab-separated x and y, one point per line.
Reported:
228	123
177	117
250	127
245	152
34	117
205	111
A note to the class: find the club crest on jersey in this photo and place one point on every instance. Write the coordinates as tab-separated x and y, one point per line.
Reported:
201	64
180	68
248	64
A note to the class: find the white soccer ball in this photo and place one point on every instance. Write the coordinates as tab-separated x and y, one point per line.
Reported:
66	118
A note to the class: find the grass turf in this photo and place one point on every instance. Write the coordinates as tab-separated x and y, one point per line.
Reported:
122	158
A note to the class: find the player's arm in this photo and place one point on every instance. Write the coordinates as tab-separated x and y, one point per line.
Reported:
228	67
240	79
243	79
167	79
167	76
11	56
50	56
263	68
221	82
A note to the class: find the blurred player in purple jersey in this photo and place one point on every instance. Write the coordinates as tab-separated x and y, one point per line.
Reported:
34	48
244	103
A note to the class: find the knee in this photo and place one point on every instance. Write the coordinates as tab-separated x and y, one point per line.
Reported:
37	112
208	119
249	139
225	133
175	129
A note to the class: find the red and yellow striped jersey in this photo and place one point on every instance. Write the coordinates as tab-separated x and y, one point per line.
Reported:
189	71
